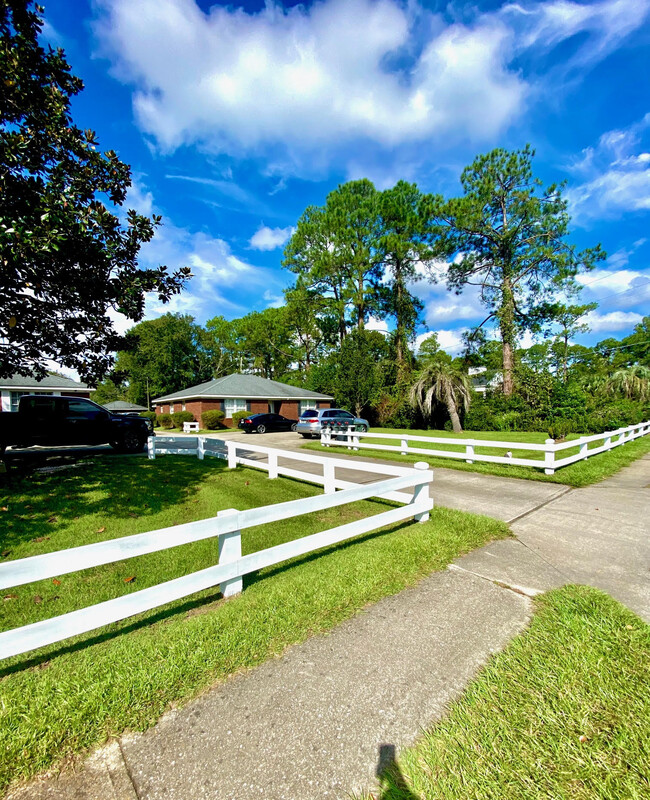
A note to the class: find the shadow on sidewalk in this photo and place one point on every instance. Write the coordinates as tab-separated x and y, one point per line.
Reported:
392	783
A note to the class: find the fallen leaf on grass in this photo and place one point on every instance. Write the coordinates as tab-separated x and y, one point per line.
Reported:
101	530
38	599
582	738
129	579
131	514
10	597
56	582
40	539
53	519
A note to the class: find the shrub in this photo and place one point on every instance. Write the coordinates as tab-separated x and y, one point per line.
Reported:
212	420
559	428
179	417
150	415
240	415
164	421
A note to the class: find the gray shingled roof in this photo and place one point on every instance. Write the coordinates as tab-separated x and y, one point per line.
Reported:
122	405
246	387
51	382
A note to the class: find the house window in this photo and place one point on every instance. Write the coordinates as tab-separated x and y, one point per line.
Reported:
234	404
305	405
184	409
171	409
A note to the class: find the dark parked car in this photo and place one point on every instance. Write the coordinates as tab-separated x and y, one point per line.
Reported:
262	423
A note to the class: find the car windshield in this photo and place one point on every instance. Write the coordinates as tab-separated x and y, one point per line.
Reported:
310	412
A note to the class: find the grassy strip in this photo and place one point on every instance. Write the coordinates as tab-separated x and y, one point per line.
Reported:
77	694
582	473
563	712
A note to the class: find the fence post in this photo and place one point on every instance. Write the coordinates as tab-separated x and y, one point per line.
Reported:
421	493
348	436
583	450
201	448
151	447
325	437
355	439
232	454
404	446
329	487
230	550
608	442
549	457
273	465
469	452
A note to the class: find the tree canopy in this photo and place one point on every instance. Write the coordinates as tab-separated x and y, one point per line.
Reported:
67	260
508	236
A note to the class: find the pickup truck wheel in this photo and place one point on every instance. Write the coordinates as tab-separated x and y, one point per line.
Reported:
131	442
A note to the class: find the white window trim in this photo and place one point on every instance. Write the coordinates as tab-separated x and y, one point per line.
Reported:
234	404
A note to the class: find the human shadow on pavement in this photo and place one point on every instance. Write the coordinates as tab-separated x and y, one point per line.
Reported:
392	783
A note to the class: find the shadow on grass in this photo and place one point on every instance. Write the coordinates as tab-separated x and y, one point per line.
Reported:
115	486
188	605
392	782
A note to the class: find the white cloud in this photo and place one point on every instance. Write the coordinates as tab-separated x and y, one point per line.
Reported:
449	340
617	179
266	238
312	78
375	324
613	321
450	310
308	77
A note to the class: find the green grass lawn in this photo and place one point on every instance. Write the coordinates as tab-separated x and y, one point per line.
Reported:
582	473
562	713
76	694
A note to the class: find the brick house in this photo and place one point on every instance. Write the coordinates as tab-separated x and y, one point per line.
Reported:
12	389
239	392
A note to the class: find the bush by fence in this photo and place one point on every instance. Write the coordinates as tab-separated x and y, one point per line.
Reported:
165	421
179	417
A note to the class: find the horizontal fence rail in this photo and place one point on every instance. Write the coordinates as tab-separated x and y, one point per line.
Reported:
228	573
275	462
354	439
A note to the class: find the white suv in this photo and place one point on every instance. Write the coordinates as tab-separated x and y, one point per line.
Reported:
312	421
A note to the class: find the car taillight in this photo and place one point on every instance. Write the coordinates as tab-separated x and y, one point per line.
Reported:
315	419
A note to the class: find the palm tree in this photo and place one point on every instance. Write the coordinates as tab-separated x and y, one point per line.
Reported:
442	382
632	383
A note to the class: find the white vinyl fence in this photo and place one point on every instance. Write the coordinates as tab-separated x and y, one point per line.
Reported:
354	439
226	527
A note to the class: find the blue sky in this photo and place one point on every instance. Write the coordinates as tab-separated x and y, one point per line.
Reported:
236	117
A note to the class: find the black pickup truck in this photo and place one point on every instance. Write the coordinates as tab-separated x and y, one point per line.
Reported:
53	421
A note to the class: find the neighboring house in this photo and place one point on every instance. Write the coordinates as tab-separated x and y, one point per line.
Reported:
480	382
12	389
239	392
122	407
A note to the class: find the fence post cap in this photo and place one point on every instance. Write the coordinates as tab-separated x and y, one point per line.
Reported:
550	441
227	512
421	465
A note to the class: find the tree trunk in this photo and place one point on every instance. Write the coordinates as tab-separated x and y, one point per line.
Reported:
453	412
507	328
566	359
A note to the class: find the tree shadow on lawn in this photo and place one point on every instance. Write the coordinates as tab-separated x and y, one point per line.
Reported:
188	606
118	488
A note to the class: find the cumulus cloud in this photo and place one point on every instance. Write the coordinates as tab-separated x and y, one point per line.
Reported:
315	77
306	76
613	321
449	340
218	275
266	238
375	324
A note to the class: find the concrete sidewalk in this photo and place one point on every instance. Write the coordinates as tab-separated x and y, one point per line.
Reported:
314	722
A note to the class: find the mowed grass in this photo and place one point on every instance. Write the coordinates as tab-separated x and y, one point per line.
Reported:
562	713
68	697
582	473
